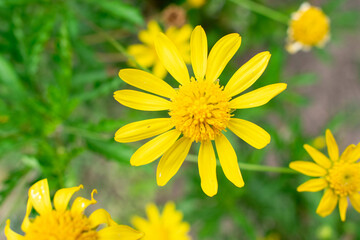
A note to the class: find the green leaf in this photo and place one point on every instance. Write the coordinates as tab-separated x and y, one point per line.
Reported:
120	10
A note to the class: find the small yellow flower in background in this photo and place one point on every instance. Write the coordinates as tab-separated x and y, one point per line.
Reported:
200	109
145	53
338	175
63	223
196	3
165	226
308	27
319	142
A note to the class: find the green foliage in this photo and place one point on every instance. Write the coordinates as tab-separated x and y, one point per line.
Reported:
58	75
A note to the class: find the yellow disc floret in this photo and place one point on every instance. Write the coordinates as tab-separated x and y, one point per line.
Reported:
57	225
310	27
200	110
344	178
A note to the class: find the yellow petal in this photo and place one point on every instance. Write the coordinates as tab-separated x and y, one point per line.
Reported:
347	153
136	131
228	160
26	222
119	232
332	146
245	76
171	58
249	132
313	185
172	159
308	168
159	70
257	97
220	55
100	216
152	213
148	36
207	168
40	197
80	203
153	149
144	55
318	157
10	234
199	50
355	201
327	203
354	155
140	223
146	81
141	101
343	204
63	196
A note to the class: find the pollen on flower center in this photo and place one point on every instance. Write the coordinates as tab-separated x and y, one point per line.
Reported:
200	110
344	178
310	27
61	225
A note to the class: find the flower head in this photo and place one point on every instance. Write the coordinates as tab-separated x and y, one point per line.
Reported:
308	27
165	226
145	53
338	176
200	110
63	223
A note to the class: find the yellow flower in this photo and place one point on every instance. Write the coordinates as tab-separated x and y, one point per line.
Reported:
167	226
338	176
196	3
200	109
145	54
61	223
308	27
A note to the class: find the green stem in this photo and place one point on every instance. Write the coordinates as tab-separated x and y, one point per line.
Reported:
261	9
251	167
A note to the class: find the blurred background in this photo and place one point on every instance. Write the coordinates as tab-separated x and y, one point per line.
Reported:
59	61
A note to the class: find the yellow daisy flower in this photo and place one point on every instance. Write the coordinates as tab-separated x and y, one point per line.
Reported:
167	226
200	109
196	3
308	27
145	53
61	223
338	175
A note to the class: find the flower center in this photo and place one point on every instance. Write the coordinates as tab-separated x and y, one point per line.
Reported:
311	27
61	225
200	110
344	178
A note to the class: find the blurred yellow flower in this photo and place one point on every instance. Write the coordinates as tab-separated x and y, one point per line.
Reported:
338	175
200	109
61	223
145	53
167	226
196	3
308	27
4	119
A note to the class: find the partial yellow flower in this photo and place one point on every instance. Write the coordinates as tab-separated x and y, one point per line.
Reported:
308	27
165	226
338	176
63	223
200	109
145	53
196	3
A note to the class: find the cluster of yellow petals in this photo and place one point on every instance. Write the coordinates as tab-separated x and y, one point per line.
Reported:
338	175
62	223
200	110
165	226
309	26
